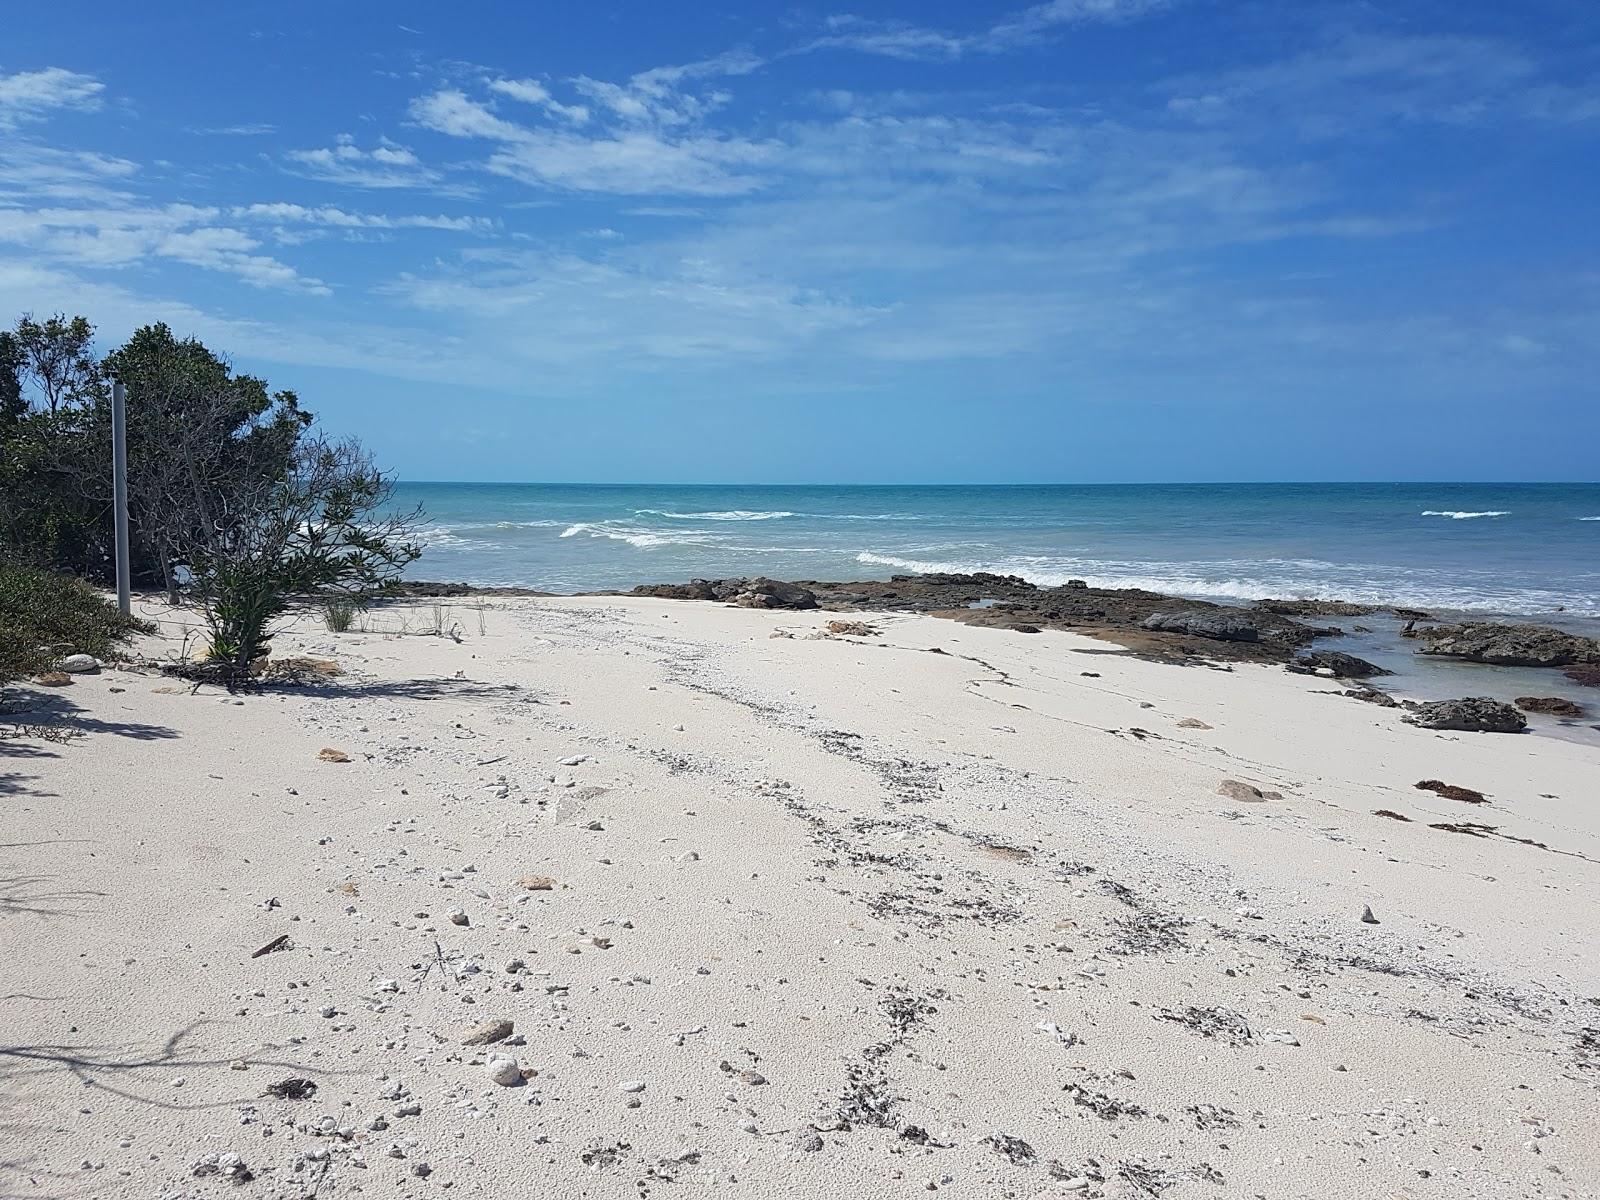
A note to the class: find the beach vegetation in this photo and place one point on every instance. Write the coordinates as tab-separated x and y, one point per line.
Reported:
322	530
45	617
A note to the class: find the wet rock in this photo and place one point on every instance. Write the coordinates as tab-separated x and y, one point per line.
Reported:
1337	662
1556	706
1315	608
1471	714
1219	626
1508	645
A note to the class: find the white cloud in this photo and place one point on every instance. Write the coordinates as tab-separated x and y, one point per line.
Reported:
901	39
626	161
387	165
531	91
30	95
121	237
340	218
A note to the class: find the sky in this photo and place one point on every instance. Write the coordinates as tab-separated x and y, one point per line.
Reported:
932	241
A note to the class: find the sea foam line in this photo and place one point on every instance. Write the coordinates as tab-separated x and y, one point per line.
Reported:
731	514
1465	516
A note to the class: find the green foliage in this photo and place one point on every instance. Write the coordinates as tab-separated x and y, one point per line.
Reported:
320	528
338	615
44	617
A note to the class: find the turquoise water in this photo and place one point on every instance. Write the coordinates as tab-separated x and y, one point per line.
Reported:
1530	549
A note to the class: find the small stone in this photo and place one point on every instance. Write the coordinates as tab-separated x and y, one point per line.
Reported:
1367	917
329	1011
574	760
537	883
1245	793
456	917
487	1032
53	679
1189	723
753	1078
632	1085
78	664
503	1070
811	1143
329	755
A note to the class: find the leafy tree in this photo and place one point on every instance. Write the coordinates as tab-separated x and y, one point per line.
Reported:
320	528
57	359
197	435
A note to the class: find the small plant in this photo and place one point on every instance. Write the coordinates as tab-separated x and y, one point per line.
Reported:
338	615
43	615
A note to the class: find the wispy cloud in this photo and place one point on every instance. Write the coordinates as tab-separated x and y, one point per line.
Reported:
646	136
32	95
386	165
904	40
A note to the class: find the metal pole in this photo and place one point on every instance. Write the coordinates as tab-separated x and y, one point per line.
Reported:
119	487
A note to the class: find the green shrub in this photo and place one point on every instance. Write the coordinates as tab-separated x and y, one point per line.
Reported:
339	615
45	616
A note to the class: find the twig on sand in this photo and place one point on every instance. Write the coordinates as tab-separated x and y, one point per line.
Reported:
281	942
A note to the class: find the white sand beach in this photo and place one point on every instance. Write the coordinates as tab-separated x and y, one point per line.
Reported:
943	909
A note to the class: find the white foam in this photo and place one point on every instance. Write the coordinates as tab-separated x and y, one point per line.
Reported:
1465	516
1589	518
645	539
731	514
1285	578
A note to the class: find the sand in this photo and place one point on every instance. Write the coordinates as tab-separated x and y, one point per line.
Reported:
939	909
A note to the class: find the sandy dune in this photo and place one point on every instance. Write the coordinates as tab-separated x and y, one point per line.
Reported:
941	909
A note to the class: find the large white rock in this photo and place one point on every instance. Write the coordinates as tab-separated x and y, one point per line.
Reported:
78	664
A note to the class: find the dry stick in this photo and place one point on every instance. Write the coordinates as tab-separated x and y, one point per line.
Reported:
281	942
439	955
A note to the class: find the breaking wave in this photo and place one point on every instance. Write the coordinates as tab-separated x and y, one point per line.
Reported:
732	514
1281	578
1465	516
645	539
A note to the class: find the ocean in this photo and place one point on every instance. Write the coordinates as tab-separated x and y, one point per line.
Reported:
1522	549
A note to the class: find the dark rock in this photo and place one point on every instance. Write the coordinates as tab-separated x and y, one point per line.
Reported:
1222	627
1315	608
1076	584
1509	645
1556	706
1473	714
1372	695
1587	674
774	593
1451	791
1343	666
699	589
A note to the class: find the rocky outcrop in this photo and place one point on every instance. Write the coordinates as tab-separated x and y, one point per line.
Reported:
1189	630
1508	645
1584	674
1336	662
1315	608
1555	706
759	592
1223	627
1473	714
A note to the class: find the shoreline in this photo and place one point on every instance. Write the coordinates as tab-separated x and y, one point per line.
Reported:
1291	628
795	911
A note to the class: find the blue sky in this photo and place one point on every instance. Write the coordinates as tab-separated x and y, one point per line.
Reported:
1081	240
